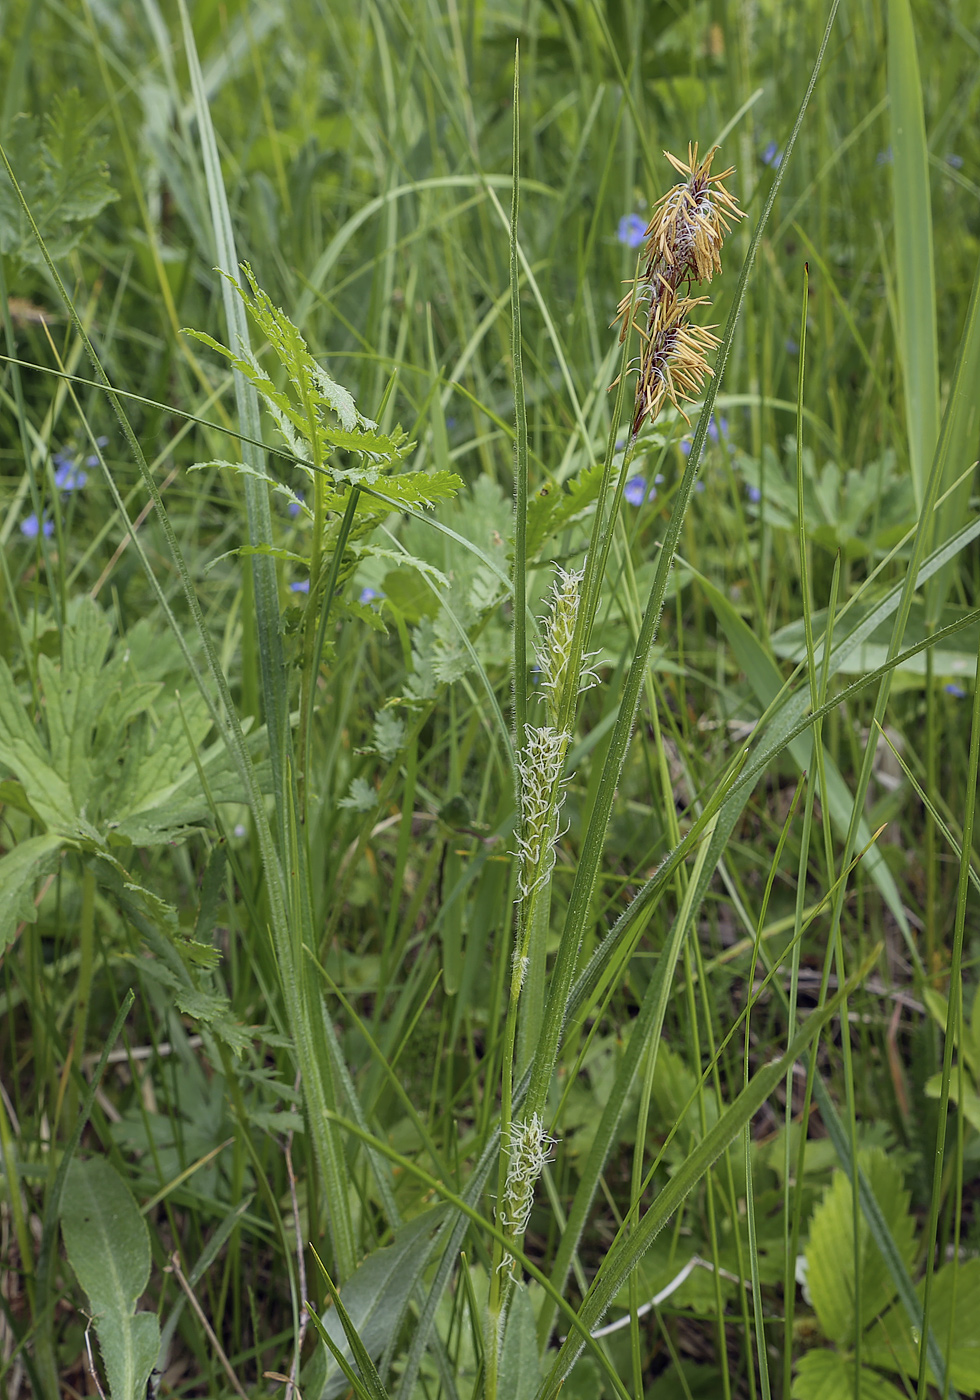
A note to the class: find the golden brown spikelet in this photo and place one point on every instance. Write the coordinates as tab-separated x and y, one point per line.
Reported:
683	246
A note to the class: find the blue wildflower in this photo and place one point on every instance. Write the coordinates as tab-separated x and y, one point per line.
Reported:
69	477
240	830
30	528
754	494
635	490
953	689
296	506
302	586
791	346
368	595
686	446
772	155
955	161
717	429
632	230
884	157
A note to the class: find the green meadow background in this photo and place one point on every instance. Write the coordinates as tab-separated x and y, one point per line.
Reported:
258	891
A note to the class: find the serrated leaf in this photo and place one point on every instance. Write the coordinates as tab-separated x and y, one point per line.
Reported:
23	753
108	1247
62	176
20	869
552	507
827	1375
830	1251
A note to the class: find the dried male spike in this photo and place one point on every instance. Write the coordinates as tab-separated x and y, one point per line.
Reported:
690	222
683	245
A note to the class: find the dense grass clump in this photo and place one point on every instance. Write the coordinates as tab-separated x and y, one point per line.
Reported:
487	859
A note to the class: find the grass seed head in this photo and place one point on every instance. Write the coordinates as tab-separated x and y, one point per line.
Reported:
683	246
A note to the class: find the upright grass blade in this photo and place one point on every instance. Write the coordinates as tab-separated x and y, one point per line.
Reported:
954	1020
520	423
914	272
963	411
269	640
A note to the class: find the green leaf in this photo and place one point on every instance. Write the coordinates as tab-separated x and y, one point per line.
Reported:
914	273
108	1247
830	1251
24	754
62	176
519	1373
554	506
364	1378
968	1103
954	1309
20	869
375	1297
827	1375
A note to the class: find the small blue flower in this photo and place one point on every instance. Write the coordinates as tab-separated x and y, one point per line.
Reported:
953	689
791	346
368	595
632	230
239	830
717	428
955	161
295	507
884	157
772	155
450	423
686	446
302	586
699	486
29	527
754	494
67	476
636	490
102	442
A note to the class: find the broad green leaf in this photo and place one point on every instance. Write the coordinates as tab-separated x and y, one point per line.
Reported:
827	1375
108	1247
914	273
956	659
830	1251
519	1372
20	869
954	1309
375	1297
362	1374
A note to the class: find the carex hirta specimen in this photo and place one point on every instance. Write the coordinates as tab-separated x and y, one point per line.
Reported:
682	248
